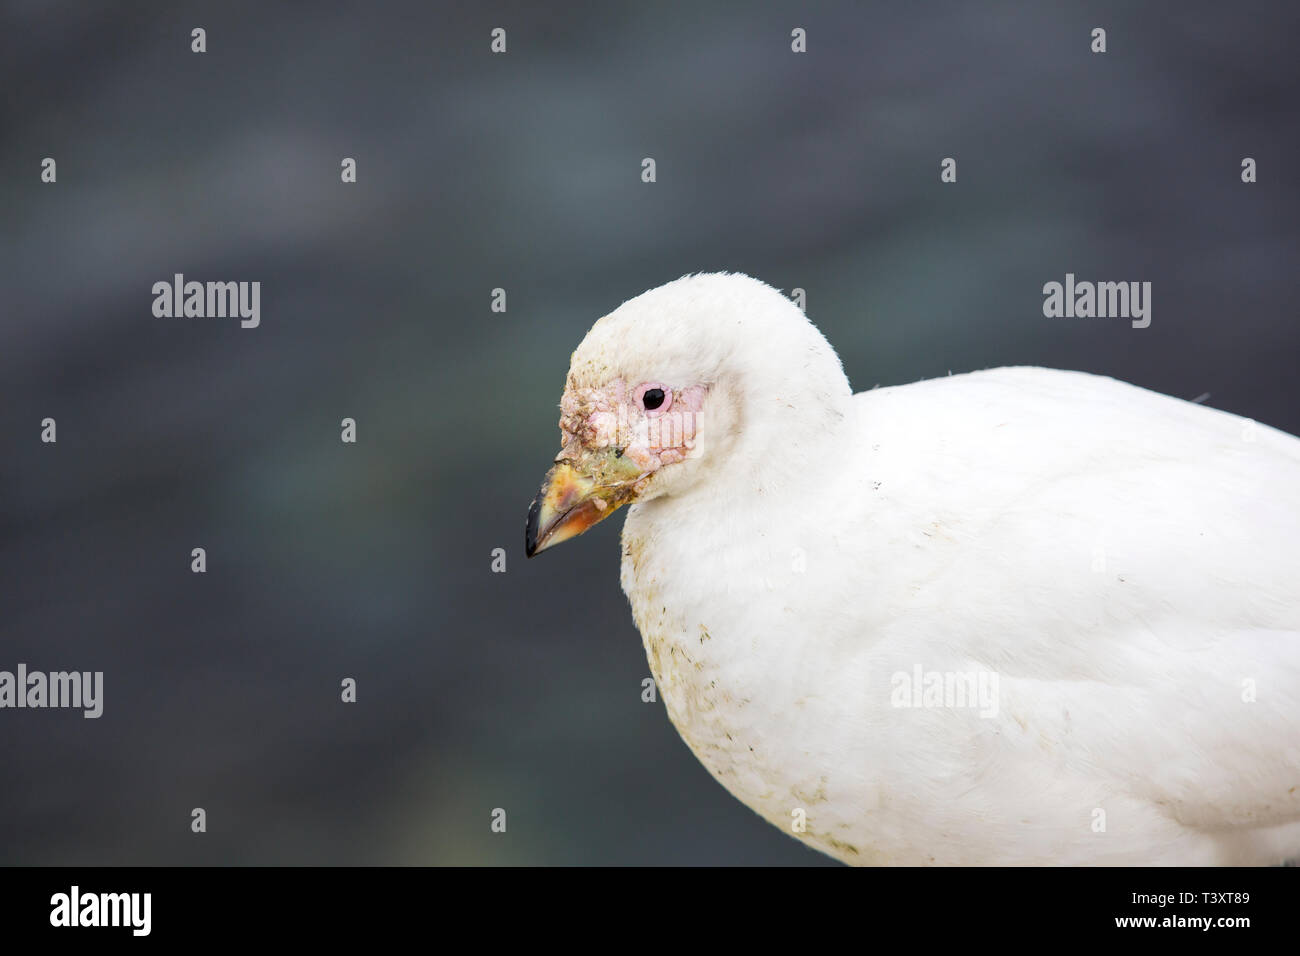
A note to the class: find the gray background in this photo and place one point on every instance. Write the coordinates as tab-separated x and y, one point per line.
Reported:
522	690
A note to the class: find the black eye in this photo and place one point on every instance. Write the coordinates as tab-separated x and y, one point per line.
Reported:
653	398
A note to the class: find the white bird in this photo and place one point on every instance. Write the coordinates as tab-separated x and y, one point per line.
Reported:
1017	616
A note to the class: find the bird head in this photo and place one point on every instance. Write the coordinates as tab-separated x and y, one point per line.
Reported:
677	386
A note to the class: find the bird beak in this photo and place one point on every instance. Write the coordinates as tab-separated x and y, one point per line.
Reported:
576	494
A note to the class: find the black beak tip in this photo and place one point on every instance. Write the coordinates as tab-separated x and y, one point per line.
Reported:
530	532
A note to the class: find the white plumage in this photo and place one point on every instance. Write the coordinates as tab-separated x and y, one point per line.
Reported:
1120	570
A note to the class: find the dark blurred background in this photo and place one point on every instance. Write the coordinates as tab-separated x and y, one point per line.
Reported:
521	690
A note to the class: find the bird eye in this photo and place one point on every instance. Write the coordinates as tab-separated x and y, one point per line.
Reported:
653	397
